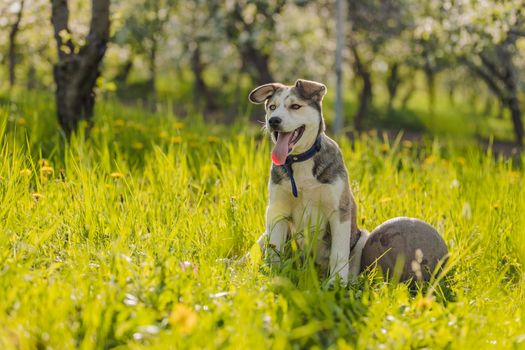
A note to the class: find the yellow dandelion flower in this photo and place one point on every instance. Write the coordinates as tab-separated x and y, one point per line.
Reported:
213	138
431	159
25	172
111	86
137	145
384	148
43	162
21	121
163	135
116	175
37	196
424	303
207	168
343	345
407	143
495	206
119	122
108	186
461	160
46	170
176	139
385	200
179	125
183	318
514	174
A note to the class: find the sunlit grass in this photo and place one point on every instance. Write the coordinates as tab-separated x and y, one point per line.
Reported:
130	238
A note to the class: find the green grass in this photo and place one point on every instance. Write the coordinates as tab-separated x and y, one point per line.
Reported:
129	239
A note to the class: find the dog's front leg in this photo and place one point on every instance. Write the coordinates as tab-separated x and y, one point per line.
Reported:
340	248
277	215
277	230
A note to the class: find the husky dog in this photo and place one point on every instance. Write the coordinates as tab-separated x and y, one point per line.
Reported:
308	185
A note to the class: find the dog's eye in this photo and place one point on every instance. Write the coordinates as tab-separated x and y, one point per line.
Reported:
295	106
272	107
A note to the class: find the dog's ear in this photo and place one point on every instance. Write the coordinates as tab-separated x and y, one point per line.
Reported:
263	92
310	90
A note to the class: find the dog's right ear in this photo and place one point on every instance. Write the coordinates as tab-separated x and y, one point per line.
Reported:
263	92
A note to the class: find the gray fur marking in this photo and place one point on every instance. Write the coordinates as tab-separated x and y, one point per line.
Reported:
328	163
345	204
278	174
276	93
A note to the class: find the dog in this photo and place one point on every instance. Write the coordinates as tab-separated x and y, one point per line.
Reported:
308	187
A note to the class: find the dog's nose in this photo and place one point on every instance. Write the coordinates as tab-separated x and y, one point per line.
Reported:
274	122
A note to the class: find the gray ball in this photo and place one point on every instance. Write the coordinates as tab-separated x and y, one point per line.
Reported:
412	244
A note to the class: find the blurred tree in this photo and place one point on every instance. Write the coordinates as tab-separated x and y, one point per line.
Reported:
373	24
495	66
482	36
144	31
302	41
198	29
78	65
250	24
340	38
18	9
25	47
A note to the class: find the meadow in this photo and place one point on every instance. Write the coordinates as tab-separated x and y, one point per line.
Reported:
131	238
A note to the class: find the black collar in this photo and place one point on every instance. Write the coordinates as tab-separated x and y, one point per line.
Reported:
296	158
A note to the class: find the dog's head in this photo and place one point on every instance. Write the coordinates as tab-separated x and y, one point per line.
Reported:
294	116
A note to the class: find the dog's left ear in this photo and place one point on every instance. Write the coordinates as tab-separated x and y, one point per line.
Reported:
263	92
310	90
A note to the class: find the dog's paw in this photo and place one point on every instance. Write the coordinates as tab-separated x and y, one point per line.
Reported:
336	280
272	257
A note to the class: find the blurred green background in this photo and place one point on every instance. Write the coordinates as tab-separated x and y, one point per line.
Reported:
428	67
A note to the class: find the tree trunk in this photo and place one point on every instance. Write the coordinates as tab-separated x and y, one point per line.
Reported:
201	90
12	45
408	94
123	73
501	110
340	38
515	113
510	81
513	104
451	94
430	76
501	78
77	70
152	81
392	83
251	56
365	96
259	62
31	78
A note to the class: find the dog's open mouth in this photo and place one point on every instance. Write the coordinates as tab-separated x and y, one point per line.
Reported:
284	144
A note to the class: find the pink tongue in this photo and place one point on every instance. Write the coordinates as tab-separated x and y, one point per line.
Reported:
280	151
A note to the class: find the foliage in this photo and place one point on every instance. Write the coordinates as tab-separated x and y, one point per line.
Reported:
130	238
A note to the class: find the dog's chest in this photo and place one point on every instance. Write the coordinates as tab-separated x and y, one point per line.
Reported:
304	178
308	207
